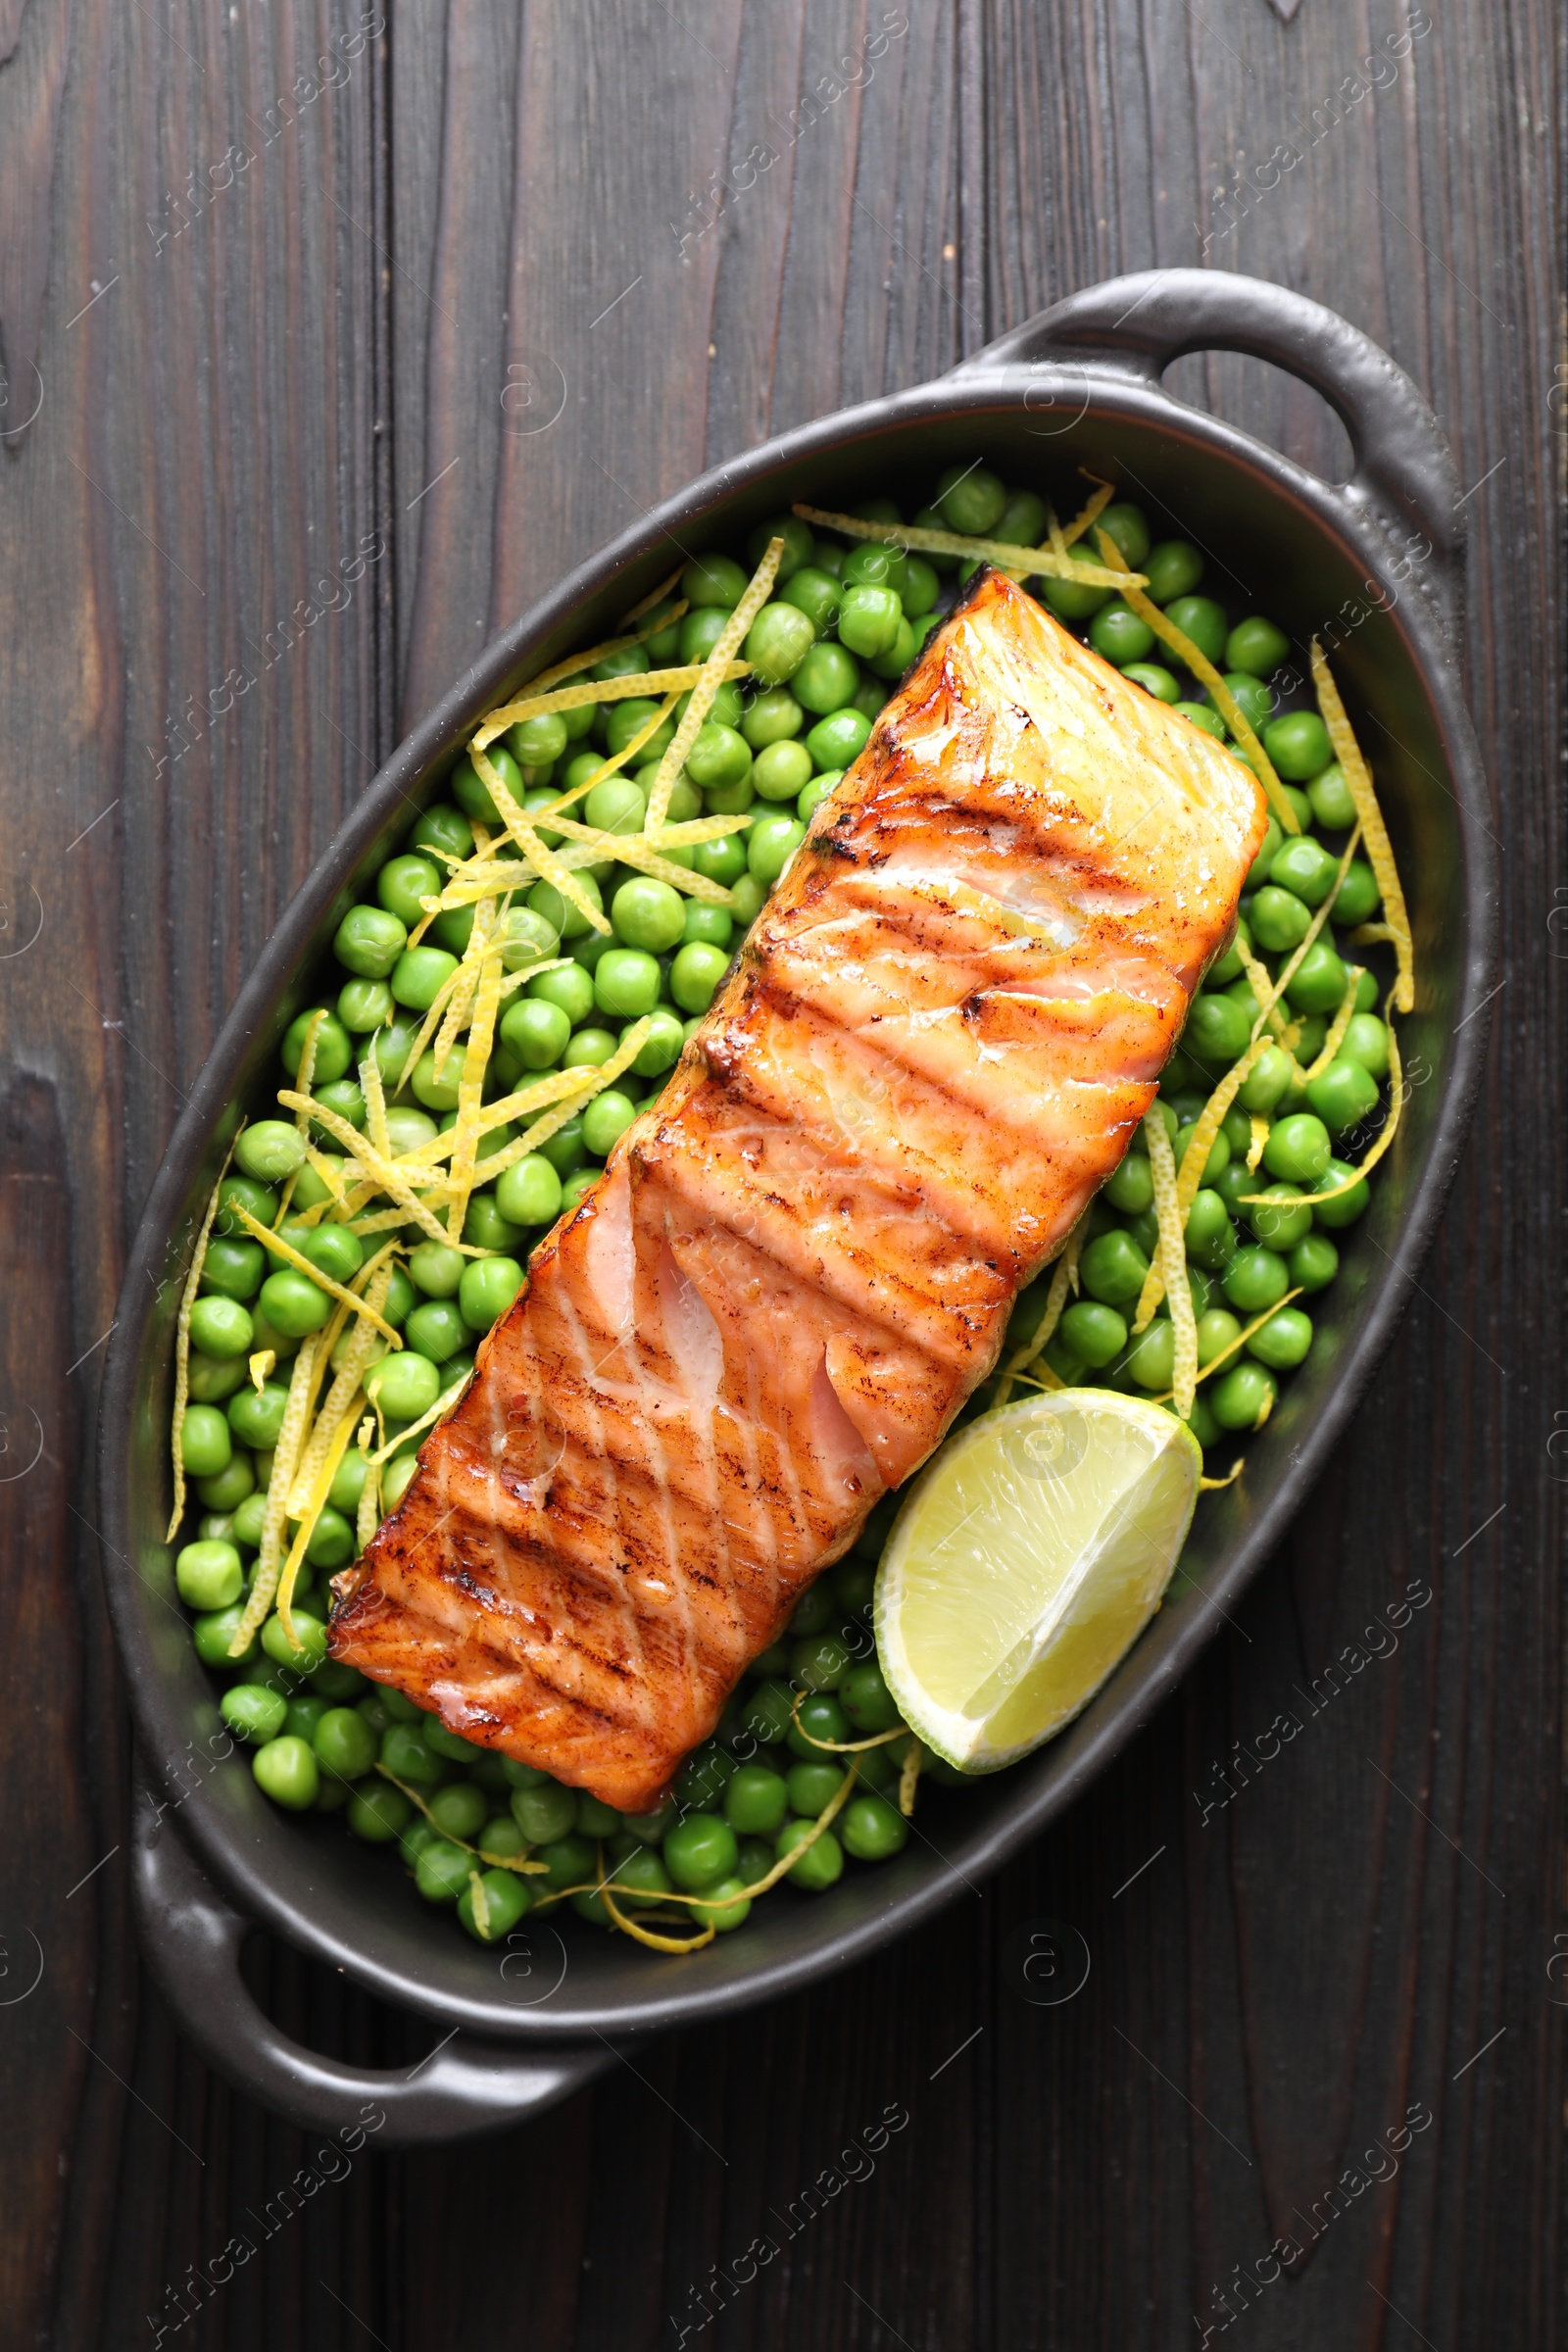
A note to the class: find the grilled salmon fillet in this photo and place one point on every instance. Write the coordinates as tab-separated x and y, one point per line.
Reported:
937	1043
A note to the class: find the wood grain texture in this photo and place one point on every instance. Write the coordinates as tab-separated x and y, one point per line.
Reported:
456	306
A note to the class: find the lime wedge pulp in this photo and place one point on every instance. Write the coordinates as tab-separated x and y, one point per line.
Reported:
1026	1562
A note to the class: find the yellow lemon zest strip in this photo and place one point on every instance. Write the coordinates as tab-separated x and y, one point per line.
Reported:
427	1420
385	1174
1064	1278
1173	1260
1379	847
482	946
636	684
1337	1026
1092	513
471	1091
909	1779
1297	956
376	1279
523	1865
657	596
1195	1160
527	840
313	1505
260	1365
1262	987
368	1516
955	543
187	1299
1202	668
269	1552
1216	1486
336	1289
1348	1184
1259	1137
729	643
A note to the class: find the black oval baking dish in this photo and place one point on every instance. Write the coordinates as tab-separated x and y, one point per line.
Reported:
1381	557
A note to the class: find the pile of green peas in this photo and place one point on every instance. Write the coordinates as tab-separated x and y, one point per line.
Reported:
843	623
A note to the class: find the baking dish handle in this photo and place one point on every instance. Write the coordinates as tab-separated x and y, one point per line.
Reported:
191	1939
1404	477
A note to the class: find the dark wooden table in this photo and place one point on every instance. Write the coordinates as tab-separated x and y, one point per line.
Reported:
282	286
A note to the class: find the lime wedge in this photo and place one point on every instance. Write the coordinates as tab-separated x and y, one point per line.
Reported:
1026	1562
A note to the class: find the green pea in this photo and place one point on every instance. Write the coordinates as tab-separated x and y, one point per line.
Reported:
568	921
1298	746
1128	526
782	771
1343	1095
1233	1183
1349	1207
345	1743
308	1649
1279	921
820	1662
769	846
617	806
1217	1028
1254	700
838	740
606	1120
418	976
204	1444
1297	1148
209	1574
1333	803
1257	646
821	1723
755	1801
647	915
1366	1041
212	1634
1255	1278
765	1712
893	664
695	977
245	1193
528	1193
270	1149
402	884
1266	1081
746	896
1117	633
1112	1269
719	757
571	989
770	718
368	941
797	543
1072	599
1283	1342
1094	1334
1243	1397
588	1048
436	1331
1280	1228
293	1304
1153	680
1200	618
1314	1263
252	1714
335	1050
507	1901
379	1814
285	1770
872	564
872	1829
640	1878
1305	867
1151	1358
576	1189
1216	1332
1357	898
364	1005
209	1380
442	827
488	1286
459	1811
869	620
778	641
714	581
1201	716
248	1520
441	1872
227	1488
390	1049
821	1866
700	1850
700	631
1173	569
626	981
970	499
220	1327
535	1031
334	1250
812	1787
1317	986
815	593
568	1861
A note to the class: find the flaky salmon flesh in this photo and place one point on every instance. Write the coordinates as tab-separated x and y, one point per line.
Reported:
936	1043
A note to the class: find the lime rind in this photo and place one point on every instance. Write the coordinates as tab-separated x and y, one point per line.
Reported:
1026	1560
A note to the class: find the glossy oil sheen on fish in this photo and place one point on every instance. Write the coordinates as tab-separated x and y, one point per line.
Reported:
939	1040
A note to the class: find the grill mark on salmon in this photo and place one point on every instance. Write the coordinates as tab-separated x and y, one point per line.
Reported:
939	1041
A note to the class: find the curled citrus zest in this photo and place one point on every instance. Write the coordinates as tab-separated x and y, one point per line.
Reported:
1262	983
374	1094
1241	1337
522	832
714	670
1216	1486
997	552
481	1905
1195	1160
1337	1028
1054	538
482	949
435	1014
786	1862
187	1299
368	1517
1202	668
386	1174
314	1503
330	1172
650	1937
642	851
470	1091
611	765
360	1353
260	1365
909	1779
346	1298
268	1550
1173	1259
1259	1137
1101	499
1371	935
634	685
841	1747
1379	847
1065	1277
305	1074
655	596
